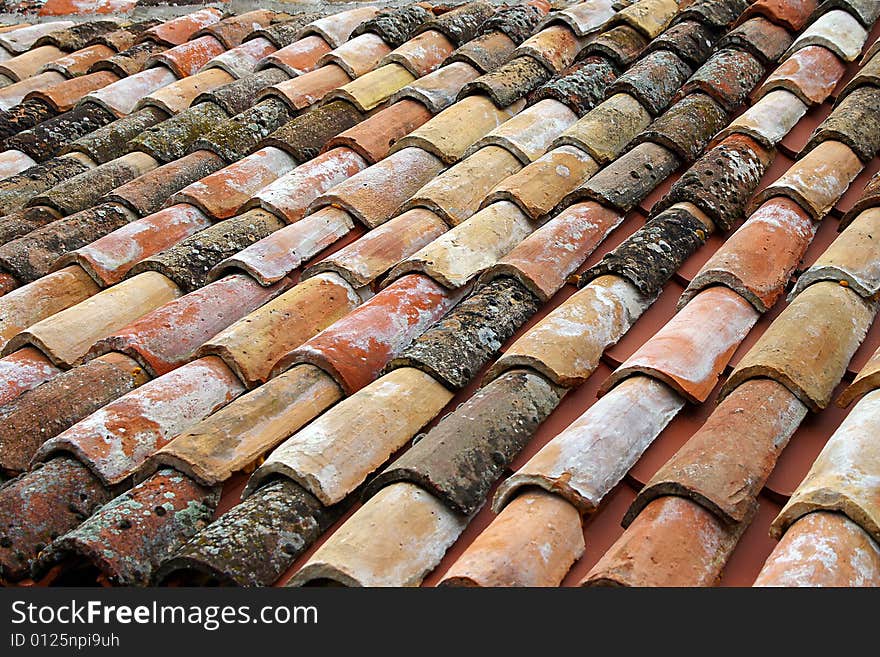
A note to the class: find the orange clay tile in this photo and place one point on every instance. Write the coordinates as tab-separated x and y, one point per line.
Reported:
108	259
279	254
169	336
13	162
374	137
422	54
337	451
289	196
533	542
23	370
63	96
29	63
608	128
566	345
823	549
121	96
178	30
374	88
846	475
67	335
356	348
816	181
438	90
836	30
673	542
691	351
222	194
853	259
792	15
363	261
308	88
868	379
416	531
541	185
233	29
236	436
254	343
336	28
189	57
299	57
375	194
357	56
456	257
116	439
585	461
7	283
555	47
179	95
808	347
768	120
15	93
546	258
242	60
759	258
528	134
810	74
583	17
456	193
42	298
725	464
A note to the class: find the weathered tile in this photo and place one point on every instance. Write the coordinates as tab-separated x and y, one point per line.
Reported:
23	116
545	259
41	505
653	81
581	86
486	52
461	23
584	462
188	57
80	61
844	476
583	17
16	190
625	182
690	40
869	198
177	96
533	542
145	419
608	128
868	74
66	336
566	345
121	96
816	181
528	134
687	126
130	61
371	90
284	33
178	30
109	141
554	47
44	297
77	35
373	137
727	77
722	181
337	451
22	370
768	120
233	29
395	24
508	83
242	60
35	416
438	90
241	134
811	362
792	15
516	21
422	54
236	97
621	45
33	255
760	38
392	318
188	262
779	227
280	253
64	96
673	542
169	336
22	39
299	57
374	195
29	63
865	11
811	74
650	17
171	139
464	454
304	136
802	556
47	139
21	222
336	28
302	91
13	93
456	257
363	261
253	344
853	122
357	56
357	555
538	187
835	30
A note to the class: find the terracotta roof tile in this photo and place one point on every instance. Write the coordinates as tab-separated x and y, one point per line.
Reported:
608	128
108	141
373	137
283	33
620	45
170	139
177	96
837	31
120	97
768	120
232	30
357	56
304	136
24	38
439	89
650	17
510	82
242	60
29	63
129	61
421	54
719	14
528	134
178	30
485	52
299	57
300	92
690	40
14	93
760	38
461	23
394	25
583	17
337	28
792	15
62	97
80	61
728	77
24	370
371	90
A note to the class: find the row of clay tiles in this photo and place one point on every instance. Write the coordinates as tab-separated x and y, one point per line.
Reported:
77	8
458	26
472	241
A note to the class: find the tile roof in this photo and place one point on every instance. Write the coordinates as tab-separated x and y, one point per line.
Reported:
238	246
